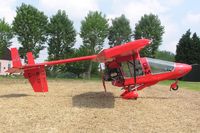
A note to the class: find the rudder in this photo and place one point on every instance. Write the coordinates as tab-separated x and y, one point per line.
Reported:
30	58
15	58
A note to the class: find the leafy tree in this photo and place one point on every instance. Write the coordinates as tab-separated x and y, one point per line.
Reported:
165	55
149	26
30	27
94	30
5	35
62	37
120	31
78	68
188	49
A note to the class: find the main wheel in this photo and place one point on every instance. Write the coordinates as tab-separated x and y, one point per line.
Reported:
175	89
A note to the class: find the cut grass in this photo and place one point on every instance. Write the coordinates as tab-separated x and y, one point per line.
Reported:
183	84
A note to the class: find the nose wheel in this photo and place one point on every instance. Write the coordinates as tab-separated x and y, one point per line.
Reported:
174	86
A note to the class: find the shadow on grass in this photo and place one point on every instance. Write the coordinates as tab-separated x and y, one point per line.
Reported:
94	100
13	95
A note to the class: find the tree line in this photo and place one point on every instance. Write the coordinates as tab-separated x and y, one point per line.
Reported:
33	29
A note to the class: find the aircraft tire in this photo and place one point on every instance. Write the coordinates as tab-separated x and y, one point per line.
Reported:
176	88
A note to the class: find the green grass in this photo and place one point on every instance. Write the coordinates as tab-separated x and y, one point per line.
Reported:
183	84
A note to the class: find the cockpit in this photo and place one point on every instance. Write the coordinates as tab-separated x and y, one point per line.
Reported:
139	67
128	68
155	66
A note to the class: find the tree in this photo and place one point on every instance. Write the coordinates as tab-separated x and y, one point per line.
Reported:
165	55
62	37
30	26
5	35
188	49
149	26
94	30
120	31
195	50
78	68
183	47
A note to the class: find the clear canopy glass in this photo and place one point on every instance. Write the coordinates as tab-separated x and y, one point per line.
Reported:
160	66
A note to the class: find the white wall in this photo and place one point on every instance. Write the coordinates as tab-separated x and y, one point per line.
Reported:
4	64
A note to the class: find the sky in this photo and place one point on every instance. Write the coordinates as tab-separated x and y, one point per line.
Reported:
177	16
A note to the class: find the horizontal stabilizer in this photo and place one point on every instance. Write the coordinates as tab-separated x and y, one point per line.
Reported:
14	70
37	78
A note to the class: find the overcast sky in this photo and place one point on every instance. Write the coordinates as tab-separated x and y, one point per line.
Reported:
177	16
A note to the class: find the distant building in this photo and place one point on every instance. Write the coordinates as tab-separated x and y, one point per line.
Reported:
5	61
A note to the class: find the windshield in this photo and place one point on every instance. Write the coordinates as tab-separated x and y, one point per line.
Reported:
160	66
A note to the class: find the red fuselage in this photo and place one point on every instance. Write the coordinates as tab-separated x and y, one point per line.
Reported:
148	71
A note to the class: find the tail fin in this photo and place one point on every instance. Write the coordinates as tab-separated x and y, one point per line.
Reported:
15	58
30	58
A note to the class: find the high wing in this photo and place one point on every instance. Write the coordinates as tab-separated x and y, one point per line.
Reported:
36	74
130	48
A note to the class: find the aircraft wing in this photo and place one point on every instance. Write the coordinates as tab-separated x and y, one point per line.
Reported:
126	49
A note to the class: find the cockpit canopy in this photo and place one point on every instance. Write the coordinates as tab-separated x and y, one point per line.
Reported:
160	66
156	66
128	68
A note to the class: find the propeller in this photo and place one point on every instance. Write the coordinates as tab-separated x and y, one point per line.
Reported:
134	71
102	78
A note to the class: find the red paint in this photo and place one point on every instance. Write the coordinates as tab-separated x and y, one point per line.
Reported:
15	58
30	58
37	78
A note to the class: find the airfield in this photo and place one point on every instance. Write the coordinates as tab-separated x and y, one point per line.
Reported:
82	106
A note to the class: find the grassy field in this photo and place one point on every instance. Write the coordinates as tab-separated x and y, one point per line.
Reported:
183	84
75	106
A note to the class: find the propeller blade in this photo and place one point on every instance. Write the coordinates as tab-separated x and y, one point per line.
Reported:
102	78
104	85
134	65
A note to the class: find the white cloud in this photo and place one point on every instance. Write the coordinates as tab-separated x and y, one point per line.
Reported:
76	9
137	9
134	9
172	2
171	35
6	10
192	18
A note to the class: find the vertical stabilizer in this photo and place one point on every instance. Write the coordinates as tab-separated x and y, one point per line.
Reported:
30	58
15	58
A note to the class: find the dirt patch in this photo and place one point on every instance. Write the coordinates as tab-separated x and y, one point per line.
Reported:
82	106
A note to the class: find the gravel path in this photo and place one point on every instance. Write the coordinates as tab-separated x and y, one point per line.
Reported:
82	106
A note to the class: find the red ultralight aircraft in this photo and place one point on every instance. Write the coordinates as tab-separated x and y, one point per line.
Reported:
123	67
